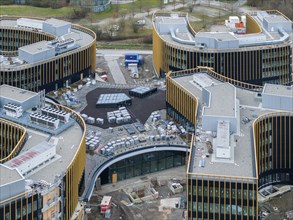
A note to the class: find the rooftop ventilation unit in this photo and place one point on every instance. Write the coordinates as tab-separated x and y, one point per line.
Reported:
55	113
63	44
13	110
44	120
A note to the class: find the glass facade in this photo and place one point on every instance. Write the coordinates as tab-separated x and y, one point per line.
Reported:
221	198
143	164
25	207
12	137
48	74
273	138
252	64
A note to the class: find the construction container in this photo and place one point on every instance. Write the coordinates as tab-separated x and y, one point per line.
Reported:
119	120
118	115
111	120
110	114
136	141
84	116
158	138
99	121
92	147
131	142
90	120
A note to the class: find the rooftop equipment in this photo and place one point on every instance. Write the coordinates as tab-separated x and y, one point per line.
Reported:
55	113
44	120
13	110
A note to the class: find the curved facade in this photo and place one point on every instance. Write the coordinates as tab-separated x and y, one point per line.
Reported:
224	183
51	73
181	104
51	190
177	47
12	138
273	139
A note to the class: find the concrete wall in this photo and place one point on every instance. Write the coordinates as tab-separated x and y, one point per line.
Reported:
210	123
215	43
31	102
274	26
277	102
12	189
56	30
41	55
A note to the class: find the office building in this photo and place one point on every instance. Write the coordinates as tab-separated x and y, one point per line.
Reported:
260	53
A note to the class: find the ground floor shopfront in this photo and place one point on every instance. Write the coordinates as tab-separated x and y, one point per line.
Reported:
142	164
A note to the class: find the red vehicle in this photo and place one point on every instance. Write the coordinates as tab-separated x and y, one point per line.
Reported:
106	203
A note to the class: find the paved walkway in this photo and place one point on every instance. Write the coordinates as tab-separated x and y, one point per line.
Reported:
115	69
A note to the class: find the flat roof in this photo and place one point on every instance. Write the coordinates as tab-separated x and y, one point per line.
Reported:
81	38
14	93
279	90
170	19
9	175
275	19
223	36
28	155
106	200
36	48
112	98
56	22
202	79
67	145
221	104
241	161
173	19
142	89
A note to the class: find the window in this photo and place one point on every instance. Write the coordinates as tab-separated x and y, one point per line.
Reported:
7	216
233	194
216	208
200	190
211	192
205	191
245	194
199	206
29	208
205	207
194	191
194	206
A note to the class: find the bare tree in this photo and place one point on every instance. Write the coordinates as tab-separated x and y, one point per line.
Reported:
161	4
183	2
190	7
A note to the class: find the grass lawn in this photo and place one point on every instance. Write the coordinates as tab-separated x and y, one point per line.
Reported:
24	10
120	9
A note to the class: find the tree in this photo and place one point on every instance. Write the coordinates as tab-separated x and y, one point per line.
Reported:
134	26
161	4
78	12
183	2
190	7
